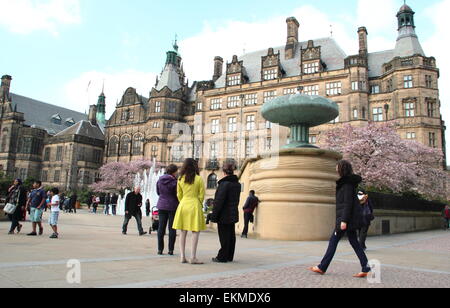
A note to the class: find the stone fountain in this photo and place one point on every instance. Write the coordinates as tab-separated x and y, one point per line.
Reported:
297	184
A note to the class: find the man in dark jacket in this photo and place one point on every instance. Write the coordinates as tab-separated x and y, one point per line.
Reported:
226	213
249	208
133	204
367	209
73	203
114	200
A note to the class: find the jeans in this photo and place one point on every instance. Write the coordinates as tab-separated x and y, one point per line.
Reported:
106	209
227	237
166	217
14	222
247	218
114	209
138	221
363	236
334	241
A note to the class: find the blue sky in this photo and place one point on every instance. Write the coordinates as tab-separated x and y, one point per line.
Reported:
53	48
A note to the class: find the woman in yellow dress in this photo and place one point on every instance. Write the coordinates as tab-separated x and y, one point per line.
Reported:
189	215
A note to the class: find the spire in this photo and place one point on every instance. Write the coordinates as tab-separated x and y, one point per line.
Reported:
101	107
407	42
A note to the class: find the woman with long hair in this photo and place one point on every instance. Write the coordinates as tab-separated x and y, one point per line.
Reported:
189	215
16	195
348	219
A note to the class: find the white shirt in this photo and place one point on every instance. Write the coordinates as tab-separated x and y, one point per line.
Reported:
55	203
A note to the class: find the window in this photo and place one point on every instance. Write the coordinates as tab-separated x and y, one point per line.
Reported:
199	106
113	146
251	122
156	125
233	101
213	150
355	86
154	151
268	144
389	85
172	107
212	181
216	104
334	88
411	136
355	114
157	107
57	177
251	99
431	109
268	125
125	145
409	110
232	125
313	139
56	119
408	81
289	91
47	154
59	153
249	147
97	156
432	139
177	153
270	74
234	80
169	125
44	175
378	114
231	149
311	90
375	89
269	95
24	145
215	126
138	144
428	81
311	68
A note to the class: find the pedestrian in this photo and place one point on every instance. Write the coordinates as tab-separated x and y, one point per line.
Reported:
95	203
107	204
73	203
447	216
166	189
348	219
226	213
249	208
368	217
62	198
189	215
66	205
54	215
147	208
133	204
37	204
89	202
114	199
17	195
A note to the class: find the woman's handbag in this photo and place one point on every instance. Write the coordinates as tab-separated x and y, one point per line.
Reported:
10	208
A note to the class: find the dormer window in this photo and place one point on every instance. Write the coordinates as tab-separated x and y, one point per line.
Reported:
56	119
311	68
70	122
234	80
270	74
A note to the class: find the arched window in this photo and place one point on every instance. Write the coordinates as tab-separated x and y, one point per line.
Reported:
138	144
113	146
125	145
212	181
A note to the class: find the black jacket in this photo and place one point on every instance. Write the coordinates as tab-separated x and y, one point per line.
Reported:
348	209
133	203
20	197
226	201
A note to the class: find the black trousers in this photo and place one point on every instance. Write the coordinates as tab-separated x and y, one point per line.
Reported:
138	221
14	222
247	218
227	237
363	236
334	241
166	218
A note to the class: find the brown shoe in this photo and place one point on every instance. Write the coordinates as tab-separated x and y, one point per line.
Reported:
316	270
361	275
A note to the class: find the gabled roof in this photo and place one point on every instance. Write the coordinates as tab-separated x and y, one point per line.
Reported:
83	128
38	114
332	55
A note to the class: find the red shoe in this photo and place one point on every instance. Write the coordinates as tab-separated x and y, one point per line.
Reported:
361	275
316	270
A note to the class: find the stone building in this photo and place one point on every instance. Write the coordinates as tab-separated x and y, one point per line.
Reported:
219	119
43	141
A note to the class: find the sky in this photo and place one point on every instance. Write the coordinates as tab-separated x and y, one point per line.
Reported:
54	48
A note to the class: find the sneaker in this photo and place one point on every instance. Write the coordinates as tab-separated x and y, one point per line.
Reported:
32	234
170	253
54	235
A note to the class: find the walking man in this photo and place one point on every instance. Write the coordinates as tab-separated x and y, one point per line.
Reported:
37	205
133	204
114	199
249	208
107	203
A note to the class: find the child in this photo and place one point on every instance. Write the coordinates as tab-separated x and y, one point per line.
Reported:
54	215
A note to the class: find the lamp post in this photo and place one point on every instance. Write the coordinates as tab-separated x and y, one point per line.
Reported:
386	109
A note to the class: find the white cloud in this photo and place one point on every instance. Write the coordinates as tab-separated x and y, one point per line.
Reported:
27	16
115	85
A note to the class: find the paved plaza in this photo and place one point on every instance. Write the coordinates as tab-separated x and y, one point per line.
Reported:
109	259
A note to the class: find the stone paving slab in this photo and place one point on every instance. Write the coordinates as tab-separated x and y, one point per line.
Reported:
109	259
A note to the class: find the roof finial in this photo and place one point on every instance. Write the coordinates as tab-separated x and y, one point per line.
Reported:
175	44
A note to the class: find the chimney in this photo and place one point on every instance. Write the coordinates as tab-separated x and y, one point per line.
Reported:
218	68
363	46
93	114
5	86
292	37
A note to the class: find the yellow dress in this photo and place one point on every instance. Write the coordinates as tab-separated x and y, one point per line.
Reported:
189	215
